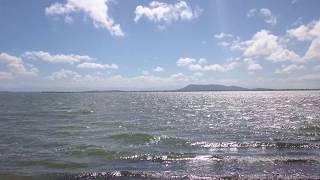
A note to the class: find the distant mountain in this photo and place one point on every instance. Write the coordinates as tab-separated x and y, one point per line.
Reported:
211	87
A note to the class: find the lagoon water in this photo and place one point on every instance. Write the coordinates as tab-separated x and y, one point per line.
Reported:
160	134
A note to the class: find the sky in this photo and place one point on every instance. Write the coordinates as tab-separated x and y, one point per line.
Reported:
70	45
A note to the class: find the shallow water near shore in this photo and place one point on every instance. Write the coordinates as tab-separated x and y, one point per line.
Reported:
160	135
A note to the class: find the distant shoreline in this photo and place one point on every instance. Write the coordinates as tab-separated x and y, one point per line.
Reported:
188	88
177	91
107	91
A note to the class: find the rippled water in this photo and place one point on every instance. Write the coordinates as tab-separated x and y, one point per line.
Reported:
200	134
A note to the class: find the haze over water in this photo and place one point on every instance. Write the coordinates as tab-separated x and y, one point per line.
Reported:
161	134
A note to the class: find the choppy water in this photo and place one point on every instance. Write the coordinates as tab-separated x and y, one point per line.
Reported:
166	135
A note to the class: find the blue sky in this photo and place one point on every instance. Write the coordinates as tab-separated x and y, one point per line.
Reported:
148	45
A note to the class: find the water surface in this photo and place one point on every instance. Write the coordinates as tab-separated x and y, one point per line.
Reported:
160	134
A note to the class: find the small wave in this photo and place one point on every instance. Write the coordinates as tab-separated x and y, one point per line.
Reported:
173	157
81	111
311	130
86	111
293	145
152	175
255	145
91	151
71	127
291	161
134	138
170	175
141	175
141	138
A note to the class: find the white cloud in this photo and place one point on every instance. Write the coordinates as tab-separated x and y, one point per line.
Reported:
68	20
306	32
145	73
64	74
223	35
228	40
309	32
289	69
197	74
158	69
313	51
16	67
202	61
224	44
146	80
177	76
185	61
316	68
301	33
265	13
87	65
199	65
252	12
263	43
283	54
8	59
307	77
269	18
97	10
266	44
252	65
6	75
237	45
57	58
160	12
220	68
196	67
68	58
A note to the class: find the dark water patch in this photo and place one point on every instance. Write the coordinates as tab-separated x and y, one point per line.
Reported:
71	127
64	133
55	164
137	175
100	153
310	130
38	177
171	141
91	151
315	140
290	145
